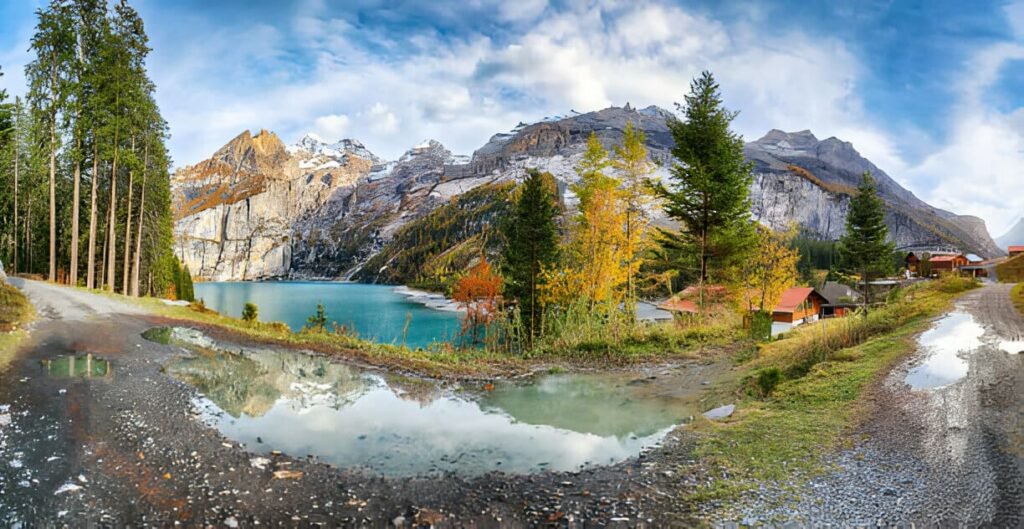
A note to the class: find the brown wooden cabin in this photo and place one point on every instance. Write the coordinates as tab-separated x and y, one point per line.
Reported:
948	263
798	305
912	262
1016	250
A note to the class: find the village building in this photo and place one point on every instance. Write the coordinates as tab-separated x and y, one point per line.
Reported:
912	262
1016	250
840	299
948	263
797	306
688	301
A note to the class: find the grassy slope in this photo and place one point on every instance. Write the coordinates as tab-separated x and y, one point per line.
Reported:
771	439
1018	297
15	311
1011	271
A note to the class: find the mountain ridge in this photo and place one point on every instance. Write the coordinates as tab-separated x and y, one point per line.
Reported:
322	210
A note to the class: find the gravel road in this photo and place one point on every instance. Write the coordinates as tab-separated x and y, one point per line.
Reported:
950	456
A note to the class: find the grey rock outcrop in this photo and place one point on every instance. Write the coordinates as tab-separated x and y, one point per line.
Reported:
259	210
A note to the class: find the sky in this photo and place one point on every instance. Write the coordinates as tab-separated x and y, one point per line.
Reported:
931	91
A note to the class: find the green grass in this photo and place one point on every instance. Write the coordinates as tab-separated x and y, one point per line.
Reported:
813	405
15	311
1017	295
647	343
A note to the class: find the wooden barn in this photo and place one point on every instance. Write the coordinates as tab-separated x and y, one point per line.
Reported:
1016	250
948	263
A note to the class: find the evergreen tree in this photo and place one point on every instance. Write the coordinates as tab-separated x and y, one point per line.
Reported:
864	249
709	191
47	76
531	246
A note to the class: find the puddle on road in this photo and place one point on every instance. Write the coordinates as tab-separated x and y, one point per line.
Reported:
1012	346
78	366
946	345
302	404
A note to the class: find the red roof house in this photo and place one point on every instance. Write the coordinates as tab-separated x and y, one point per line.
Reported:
948	263
1016	250
798	304
688	300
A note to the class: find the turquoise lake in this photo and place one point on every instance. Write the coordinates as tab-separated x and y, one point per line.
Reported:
376	312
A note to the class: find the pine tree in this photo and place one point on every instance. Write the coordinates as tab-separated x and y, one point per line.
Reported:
531	246
47	74
709	191
864	249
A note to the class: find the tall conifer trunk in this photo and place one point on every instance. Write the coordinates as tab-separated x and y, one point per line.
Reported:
128	228
53	171
90	281
138	236
73	271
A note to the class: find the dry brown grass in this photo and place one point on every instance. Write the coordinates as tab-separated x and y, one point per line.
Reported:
840	189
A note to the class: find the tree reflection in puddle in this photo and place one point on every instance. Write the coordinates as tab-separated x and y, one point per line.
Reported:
303	404
78	366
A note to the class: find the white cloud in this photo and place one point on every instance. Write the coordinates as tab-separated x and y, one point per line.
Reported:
392	90
980	169
381	119
332	126
521	10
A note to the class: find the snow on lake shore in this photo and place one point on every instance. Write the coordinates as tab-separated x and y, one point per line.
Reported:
429	299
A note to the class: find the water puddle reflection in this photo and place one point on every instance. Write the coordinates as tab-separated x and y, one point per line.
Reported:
78	366
946	344
306	405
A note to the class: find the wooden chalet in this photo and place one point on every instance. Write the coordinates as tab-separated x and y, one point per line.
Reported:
1016	250
912	262
798	305
948	263
840	299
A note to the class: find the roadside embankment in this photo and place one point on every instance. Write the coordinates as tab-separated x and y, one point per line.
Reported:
15	312
801	394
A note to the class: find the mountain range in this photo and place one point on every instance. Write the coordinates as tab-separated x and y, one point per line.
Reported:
1014	237
257	209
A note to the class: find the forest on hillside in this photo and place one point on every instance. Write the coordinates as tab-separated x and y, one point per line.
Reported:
84	169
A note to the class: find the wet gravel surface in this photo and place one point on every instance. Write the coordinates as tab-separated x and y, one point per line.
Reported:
952	456
129	449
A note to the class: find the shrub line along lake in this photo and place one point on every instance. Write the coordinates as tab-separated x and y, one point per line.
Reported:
382	313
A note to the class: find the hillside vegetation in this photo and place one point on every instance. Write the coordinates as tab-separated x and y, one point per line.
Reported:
803	392
430	252
1012	270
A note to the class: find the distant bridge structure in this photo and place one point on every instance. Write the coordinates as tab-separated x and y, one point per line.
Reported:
933	249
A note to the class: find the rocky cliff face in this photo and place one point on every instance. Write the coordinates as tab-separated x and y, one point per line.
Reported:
257	209
834	168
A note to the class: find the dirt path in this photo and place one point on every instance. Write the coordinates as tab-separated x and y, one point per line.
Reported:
128	449
949	456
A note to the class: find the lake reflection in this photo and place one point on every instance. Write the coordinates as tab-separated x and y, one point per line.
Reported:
301	404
